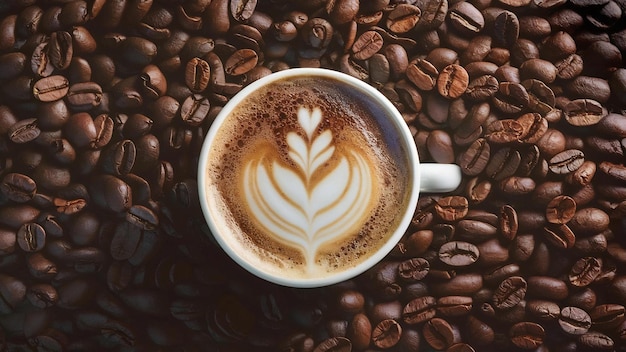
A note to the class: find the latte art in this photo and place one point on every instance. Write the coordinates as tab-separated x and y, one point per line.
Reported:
303	213
306	179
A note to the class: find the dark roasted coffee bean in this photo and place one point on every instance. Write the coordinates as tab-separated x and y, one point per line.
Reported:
18	187
508	222
510	292
452	81
482	88
413	269
566	161
466	18
560	236
60	50
574	321
439	334
510	97
474	160
544	310
584	271
569	67
453	306
461	284
386	334
24	131
593	88
458	253
527	335
31	237
560	210
596	341
419	310
503	164
12	64
607	316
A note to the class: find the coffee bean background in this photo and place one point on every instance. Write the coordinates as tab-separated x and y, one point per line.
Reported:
104	106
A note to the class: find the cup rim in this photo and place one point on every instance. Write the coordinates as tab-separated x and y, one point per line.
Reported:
403	133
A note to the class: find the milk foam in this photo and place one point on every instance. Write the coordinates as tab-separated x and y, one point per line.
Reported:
306	179
287	203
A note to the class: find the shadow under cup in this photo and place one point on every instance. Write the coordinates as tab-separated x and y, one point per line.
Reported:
308	177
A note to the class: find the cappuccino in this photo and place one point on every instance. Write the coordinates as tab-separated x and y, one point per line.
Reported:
306	177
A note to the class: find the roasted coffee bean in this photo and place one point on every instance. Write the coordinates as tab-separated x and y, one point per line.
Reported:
451	208
403	18
474	160
597	341
31	237
566	161
615	171
482	88
475	230
508	222
544	310
438	333
569	67
386	334
560	236
18	187
589	220
560	210
366	45
503	164
24	131
607	316
584	271
458	253
452	81
511	97
419	310
510	292
12	64
423	74
584	112
504	131
466	18
197	74
454	306
574	321
241	62
527	335
413	269
60	50
612	125
51	88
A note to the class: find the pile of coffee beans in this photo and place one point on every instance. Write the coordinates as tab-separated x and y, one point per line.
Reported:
104	106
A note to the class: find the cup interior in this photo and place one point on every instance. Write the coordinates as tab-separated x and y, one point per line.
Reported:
400	132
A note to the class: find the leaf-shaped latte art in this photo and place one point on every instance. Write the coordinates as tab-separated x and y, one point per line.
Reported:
303	213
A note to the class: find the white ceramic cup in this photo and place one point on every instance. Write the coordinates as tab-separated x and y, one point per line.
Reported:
424	177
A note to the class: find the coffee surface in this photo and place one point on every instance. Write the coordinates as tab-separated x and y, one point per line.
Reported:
306	177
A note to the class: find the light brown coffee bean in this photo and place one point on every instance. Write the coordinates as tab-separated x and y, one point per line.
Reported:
51	88
452	81
241	61
197	74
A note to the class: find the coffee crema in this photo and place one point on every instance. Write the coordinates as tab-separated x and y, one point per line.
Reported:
306	177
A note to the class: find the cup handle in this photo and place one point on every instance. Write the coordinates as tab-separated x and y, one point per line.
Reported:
439	178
